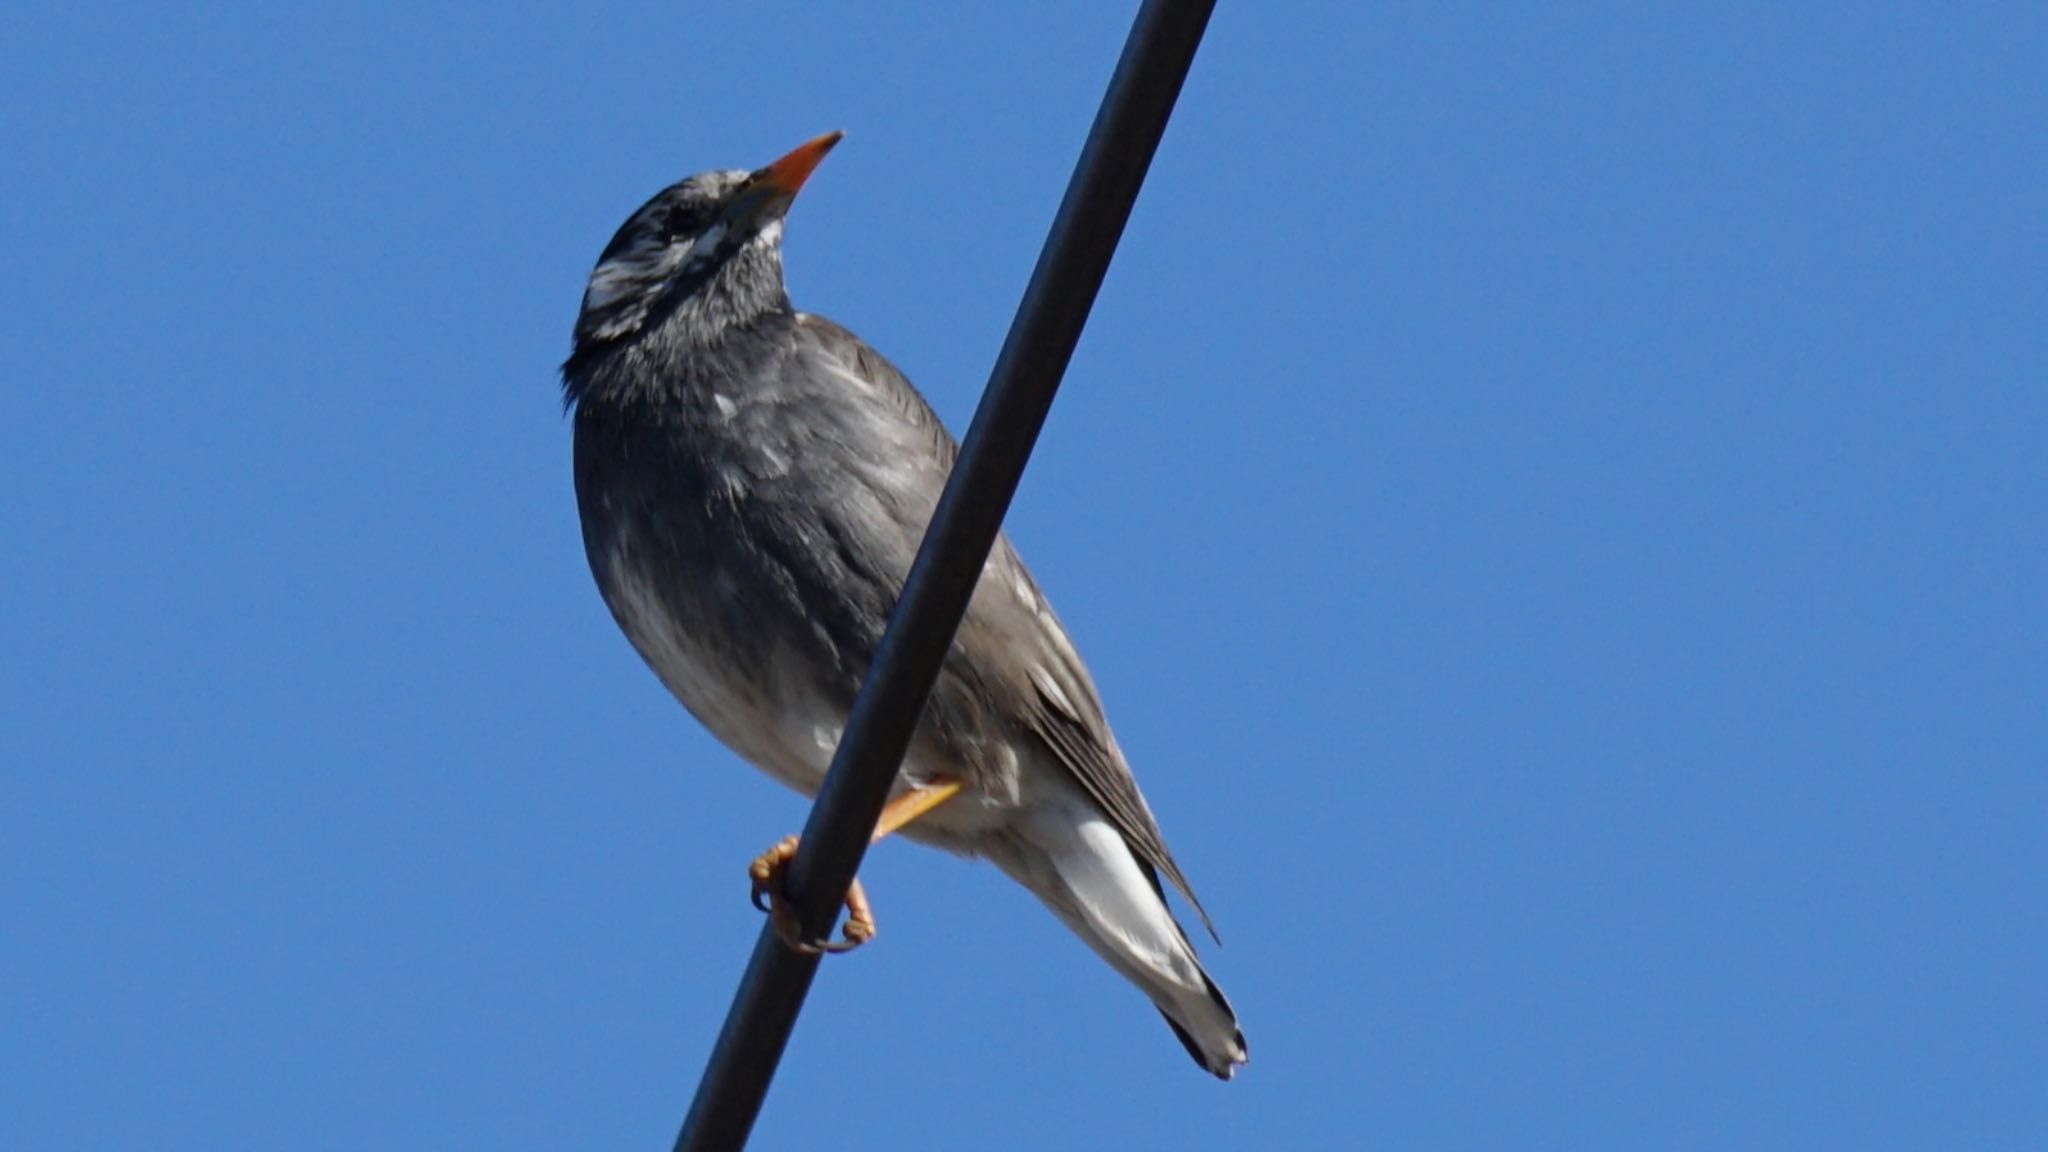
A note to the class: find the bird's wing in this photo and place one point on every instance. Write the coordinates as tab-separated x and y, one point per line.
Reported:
1061	706
1011	648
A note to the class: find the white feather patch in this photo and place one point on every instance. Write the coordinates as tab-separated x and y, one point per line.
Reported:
1115	900
632	272
1053	693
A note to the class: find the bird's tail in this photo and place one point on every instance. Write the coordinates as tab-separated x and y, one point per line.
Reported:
1084	871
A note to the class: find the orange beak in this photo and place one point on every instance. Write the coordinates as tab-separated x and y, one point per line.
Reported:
789	173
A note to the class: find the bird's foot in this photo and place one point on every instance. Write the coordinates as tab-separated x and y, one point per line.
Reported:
766	872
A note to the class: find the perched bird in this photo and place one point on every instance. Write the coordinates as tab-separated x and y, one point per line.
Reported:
753	483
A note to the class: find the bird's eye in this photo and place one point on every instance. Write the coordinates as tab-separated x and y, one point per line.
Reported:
680	223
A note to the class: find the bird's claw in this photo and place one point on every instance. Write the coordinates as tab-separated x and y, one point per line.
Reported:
766	874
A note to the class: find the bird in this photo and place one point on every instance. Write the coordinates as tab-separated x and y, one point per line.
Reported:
753	482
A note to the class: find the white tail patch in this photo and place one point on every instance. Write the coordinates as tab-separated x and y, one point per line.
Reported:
1100	890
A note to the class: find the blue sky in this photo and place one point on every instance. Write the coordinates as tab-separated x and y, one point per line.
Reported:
1553	496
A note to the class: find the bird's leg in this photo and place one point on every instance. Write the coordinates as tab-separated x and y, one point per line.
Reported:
766	873
920	799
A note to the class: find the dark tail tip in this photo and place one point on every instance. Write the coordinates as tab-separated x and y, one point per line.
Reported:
1201	1059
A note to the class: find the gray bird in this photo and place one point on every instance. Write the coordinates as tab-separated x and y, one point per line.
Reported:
753	483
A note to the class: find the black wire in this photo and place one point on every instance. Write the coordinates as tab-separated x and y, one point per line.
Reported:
1020	391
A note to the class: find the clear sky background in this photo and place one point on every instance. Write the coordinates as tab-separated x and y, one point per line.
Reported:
1554	497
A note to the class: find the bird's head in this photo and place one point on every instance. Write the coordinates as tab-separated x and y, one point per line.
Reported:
705	253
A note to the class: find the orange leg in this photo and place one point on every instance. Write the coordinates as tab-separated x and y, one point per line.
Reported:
901	810
766	873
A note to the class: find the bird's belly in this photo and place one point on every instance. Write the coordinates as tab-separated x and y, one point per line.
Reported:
736	699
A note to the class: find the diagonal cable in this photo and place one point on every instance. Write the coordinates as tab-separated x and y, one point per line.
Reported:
1070	270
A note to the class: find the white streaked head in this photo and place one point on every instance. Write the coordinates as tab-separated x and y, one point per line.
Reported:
700	259
682	230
